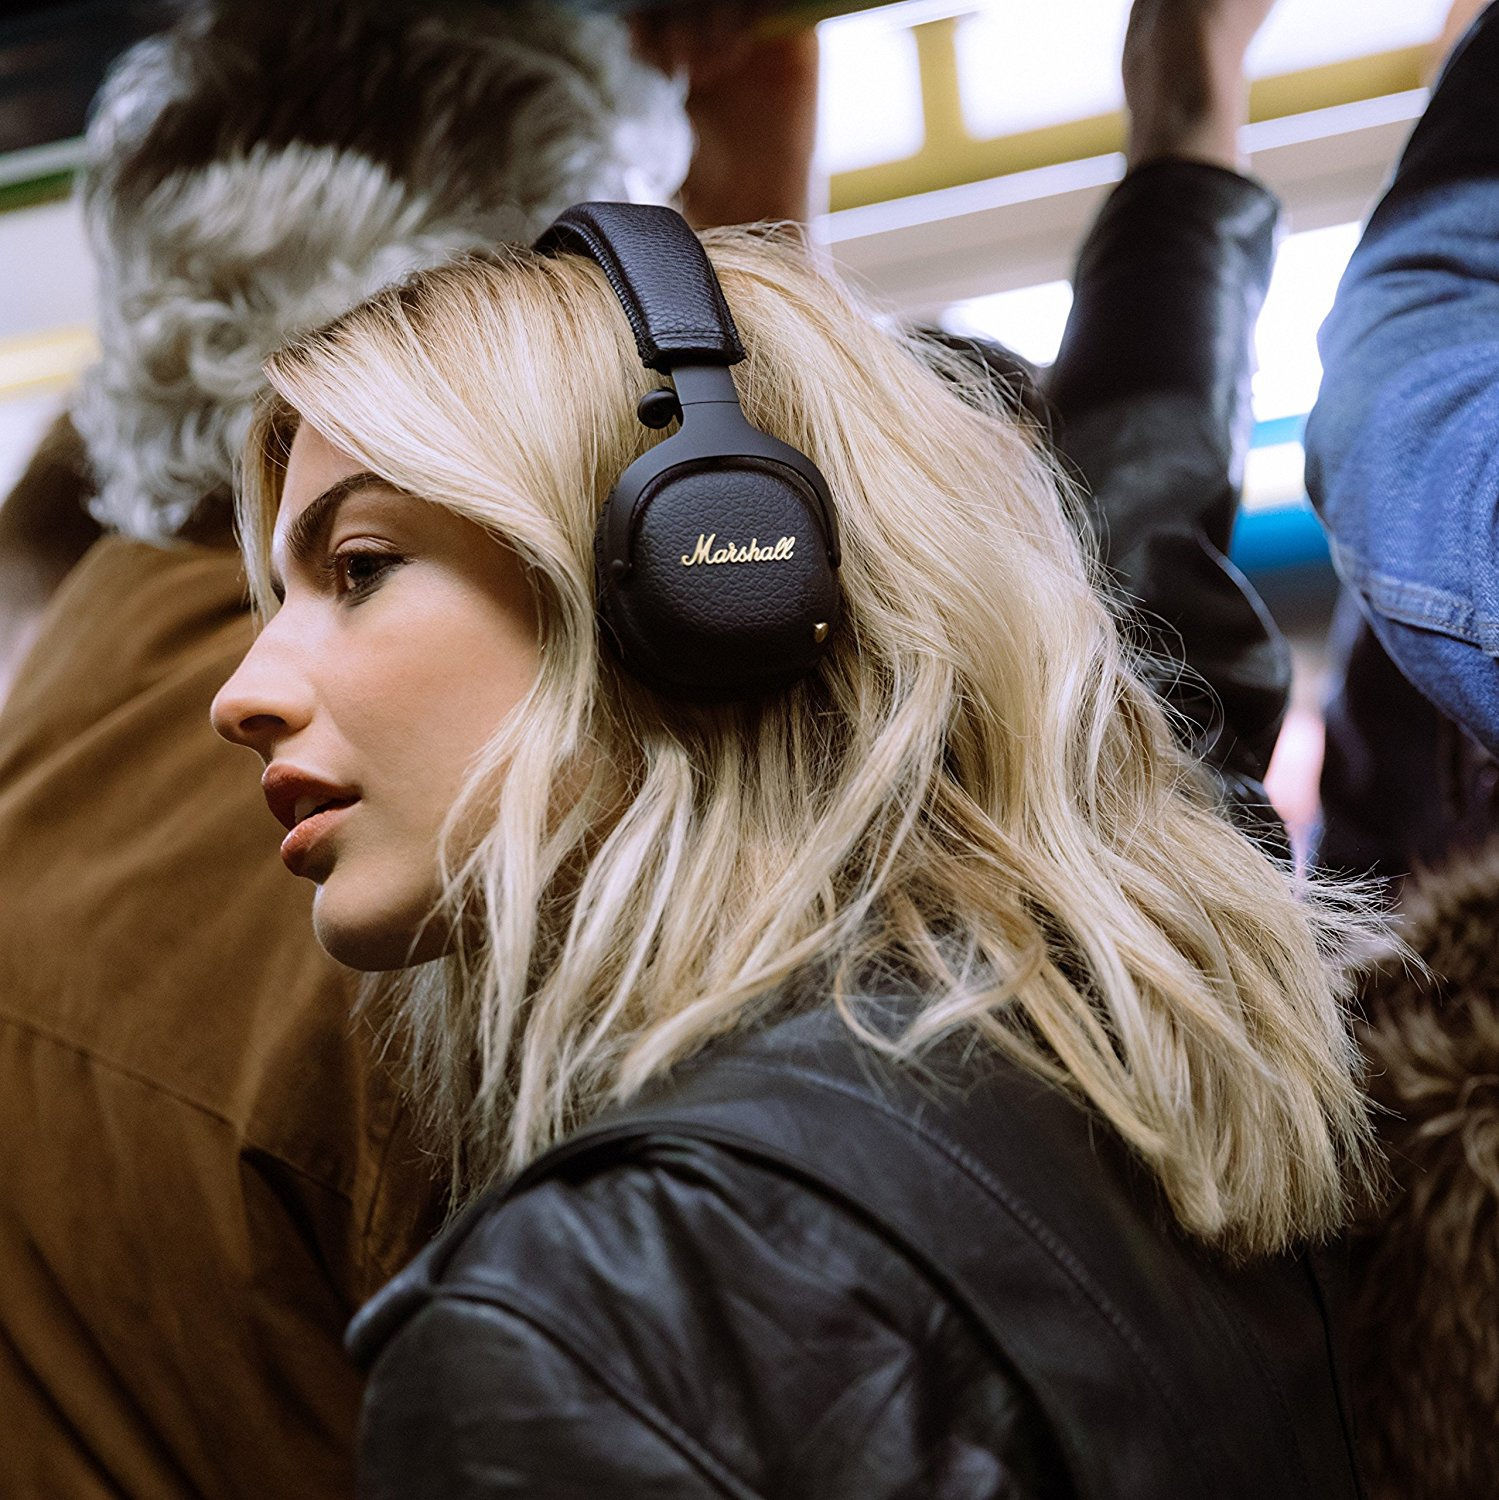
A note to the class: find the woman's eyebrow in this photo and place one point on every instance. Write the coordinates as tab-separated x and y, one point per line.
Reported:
305	535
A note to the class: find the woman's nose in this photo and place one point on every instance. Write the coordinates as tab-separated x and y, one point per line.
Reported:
264	702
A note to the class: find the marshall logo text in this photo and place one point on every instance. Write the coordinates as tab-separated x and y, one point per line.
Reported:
707	551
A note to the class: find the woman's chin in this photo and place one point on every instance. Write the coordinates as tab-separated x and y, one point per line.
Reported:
373	941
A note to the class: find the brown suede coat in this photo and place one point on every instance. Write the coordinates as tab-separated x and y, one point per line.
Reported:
203	1168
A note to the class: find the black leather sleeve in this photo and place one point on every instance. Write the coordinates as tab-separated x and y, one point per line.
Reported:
1151	400
691	1325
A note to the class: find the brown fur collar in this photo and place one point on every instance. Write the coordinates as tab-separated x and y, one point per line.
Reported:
1426	1294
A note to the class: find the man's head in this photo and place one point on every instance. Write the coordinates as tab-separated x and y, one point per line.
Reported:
259	169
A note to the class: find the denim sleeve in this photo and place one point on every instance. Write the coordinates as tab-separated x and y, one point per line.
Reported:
1403	446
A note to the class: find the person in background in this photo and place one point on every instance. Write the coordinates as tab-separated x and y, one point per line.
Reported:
1402	460
1403	785
1424	1342
1148	405
1398	445
209	1164
1151	388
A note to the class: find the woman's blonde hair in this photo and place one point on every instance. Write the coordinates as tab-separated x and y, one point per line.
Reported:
974	789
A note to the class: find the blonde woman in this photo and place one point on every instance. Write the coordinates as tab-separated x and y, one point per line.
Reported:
916	1086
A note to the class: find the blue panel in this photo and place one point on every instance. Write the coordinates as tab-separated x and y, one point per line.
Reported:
1278	430
1288	536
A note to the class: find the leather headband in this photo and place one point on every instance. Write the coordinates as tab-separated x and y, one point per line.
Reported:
658	270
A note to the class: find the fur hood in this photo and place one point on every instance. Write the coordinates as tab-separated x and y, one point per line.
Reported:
258	170
1426	1269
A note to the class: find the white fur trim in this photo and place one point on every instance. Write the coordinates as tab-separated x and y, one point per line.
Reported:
220	265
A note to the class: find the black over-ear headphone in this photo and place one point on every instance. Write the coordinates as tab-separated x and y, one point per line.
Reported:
717	551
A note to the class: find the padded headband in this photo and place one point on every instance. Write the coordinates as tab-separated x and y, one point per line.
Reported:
660	274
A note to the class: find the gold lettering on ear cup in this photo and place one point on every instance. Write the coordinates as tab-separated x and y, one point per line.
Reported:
708	550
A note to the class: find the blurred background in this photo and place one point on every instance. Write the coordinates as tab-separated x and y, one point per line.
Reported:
968	146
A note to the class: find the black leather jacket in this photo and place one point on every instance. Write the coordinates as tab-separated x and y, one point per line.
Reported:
801	1272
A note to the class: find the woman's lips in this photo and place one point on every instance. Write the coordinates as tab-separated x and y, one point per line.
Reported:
298	847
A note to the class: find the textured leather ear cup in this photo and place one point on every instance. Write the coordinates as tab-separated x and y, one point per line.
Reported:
728	581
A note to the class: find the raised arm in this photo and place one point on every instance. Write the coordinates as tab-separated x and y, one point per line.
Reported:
1403	446
1151	386
752	104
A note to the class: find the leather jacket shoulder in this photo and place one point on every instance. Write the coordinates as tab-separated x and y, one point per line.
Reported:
801	1271
685	1322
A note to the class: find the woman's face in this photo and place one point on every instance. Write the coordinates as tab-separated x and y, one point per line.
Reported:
406	635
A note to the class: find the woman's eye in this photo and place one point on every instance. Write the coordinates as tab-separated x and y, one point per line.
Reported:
357	573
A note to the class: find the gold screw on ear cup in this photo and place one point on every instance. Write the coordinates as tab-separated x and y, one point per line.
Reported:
820	632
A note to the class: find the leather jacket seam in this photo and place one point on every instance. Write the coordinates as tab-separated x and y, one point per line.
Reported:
547	1322
1009	1202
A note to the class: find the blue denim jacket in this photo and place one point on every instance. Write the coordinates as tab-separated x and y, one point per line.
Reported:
1403	446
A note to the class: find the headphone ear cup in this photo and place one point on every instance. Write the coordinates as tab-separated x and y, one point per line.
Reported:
728	589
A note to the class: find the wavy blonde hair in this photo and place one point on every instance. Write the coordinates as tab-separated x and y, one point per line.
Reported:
974	786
